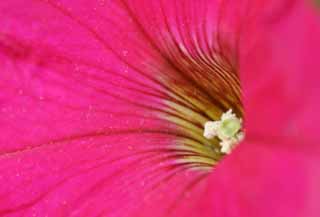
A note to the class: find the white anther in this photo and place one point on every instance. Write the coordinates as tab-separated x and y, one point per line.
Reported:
227	129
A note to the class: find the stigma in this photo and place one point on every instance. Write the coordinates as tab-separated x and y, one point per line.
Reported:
228	130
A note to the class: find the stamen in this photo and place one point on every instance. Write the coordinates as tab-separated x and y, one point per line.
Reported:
228	130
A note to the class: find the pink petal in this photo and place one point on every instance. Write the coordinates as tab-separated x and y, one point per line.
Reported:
280	80
62	80
81	139
273	173
261	181
78	178
80	127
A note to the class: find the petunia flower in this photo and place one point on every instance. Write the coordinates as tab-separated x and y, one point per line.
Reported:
103	108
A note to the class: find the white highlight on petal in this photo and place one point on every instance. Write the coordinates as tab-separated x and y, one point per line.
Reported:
228	130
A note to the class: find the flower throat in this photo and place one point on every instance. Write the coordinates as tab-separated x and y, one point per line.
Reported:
205	105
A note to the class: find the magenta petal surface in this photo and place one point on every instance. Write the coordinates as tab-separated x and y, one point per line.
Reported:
273	173
280	80
80	101
261	181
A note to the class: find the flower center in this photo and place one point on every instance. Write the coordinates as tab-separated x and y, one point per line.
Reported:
205	105
228	130
202	101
